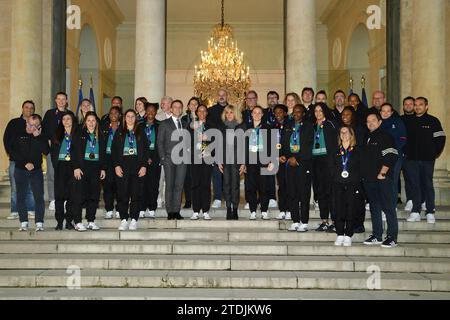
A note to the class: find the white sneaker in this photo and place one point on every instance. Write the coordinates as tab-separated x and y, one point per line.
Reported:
117	215
316	205
39	226
150	214
13	216
265	216
424	207
430	218
294	227
288	216
253	216
133	225
92	226
80	227
51	206
383	216
206	216
414	217
409	206
194	216
367	207
23	226
141	214
281	216
109	215
123	225
302	228
217	204
247	206
347	241
339	241
272	203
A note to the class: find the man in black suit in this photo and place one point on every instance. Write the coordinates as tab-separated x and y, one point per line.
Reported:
174	173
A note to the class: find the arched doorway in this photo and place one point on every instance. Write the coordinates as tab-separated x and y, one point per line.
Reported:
89	63
358	58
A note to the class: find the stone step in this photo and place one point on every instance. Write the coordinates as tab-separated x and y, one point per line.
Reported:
220	223
235	235
205	248
225	279
225	262
196	294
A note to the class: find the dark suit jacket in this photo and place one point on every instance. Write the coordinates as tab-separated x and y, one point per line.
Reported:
163	141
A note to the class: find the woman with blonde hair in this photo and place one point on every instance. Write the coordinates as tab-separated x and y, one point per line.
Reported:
231	167
85	107
291	100
346	185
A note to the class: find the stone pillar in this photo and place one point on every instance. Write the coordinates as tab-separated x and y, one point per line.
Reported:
26	55
59	47
150	69
428	59
301	68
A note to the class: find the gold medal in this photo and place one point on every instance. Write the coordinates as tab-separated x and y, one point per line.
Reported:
131	151
67	157
295	148
279	146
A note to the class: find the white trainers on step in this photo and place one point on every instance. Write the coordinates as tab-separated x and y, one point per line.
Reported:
339	241
414	217
123	225
133	225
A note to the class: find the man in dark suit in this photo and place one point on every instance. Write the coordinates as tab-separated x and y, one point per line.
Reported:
174	173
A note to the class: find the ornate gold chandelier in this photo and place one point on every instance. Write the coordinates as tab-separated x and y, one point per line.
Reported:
222	66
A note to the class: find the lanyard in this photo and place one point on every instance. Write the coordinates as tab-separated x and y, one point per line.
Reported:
319	130
297	132
131	139
148	132
92	143
345	155
68	142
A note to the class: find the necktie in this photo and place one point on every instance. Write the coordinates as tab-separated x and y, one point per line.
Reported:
178	124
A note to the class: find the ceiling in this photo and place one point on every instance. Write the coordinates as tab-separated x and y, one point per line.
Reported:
208	11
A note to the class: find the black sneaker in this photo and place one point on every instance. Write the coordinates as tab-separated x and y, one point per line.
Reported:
70	226
331	228
322	228
359	229
372	241
389	243
59	226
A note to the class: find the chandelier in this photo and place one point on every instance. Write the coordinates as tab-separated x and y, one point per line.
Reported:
222	67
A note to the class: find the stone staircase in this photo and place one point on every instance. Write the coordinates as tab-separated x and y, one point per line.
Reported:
221	259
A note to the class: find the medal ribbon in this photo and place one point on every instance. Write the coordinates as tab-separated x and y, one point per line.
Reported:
148	132
92	143
131	139
68	142
345	155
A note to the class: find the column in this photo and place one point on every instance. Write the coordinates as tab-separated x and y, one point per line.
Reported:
428	59
150	69
26	55
59	40
301	68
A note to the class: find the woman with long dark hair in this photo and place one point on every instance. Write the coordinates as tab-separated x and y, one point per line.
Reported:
61	155
130	158
139	108
88	165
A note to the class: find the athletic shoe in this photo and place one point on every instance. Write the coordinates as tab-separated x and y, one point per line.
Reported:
150	214
339	241
389	243
430	218
39	226
272	203
281	216
294	227
414	217
253	216
206	216
133	225
51	206
347	241
372	241
141	214
265	216
216	204
409	205
92	226
80	227
288	216
323	227
303	227
123	225
331	228
194	216
23	226
109	215
13	216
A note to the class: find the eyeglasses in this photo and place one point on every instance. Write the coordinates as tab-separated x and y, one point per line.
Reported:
31	126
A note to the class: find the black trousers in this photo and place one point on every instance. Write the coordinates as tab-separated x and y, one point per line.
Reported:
322	180
130	189
272	187
151	187
86	192
346	198
257	184
299	191
188	185
201	187
282	189
63	187
231	185
110	188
